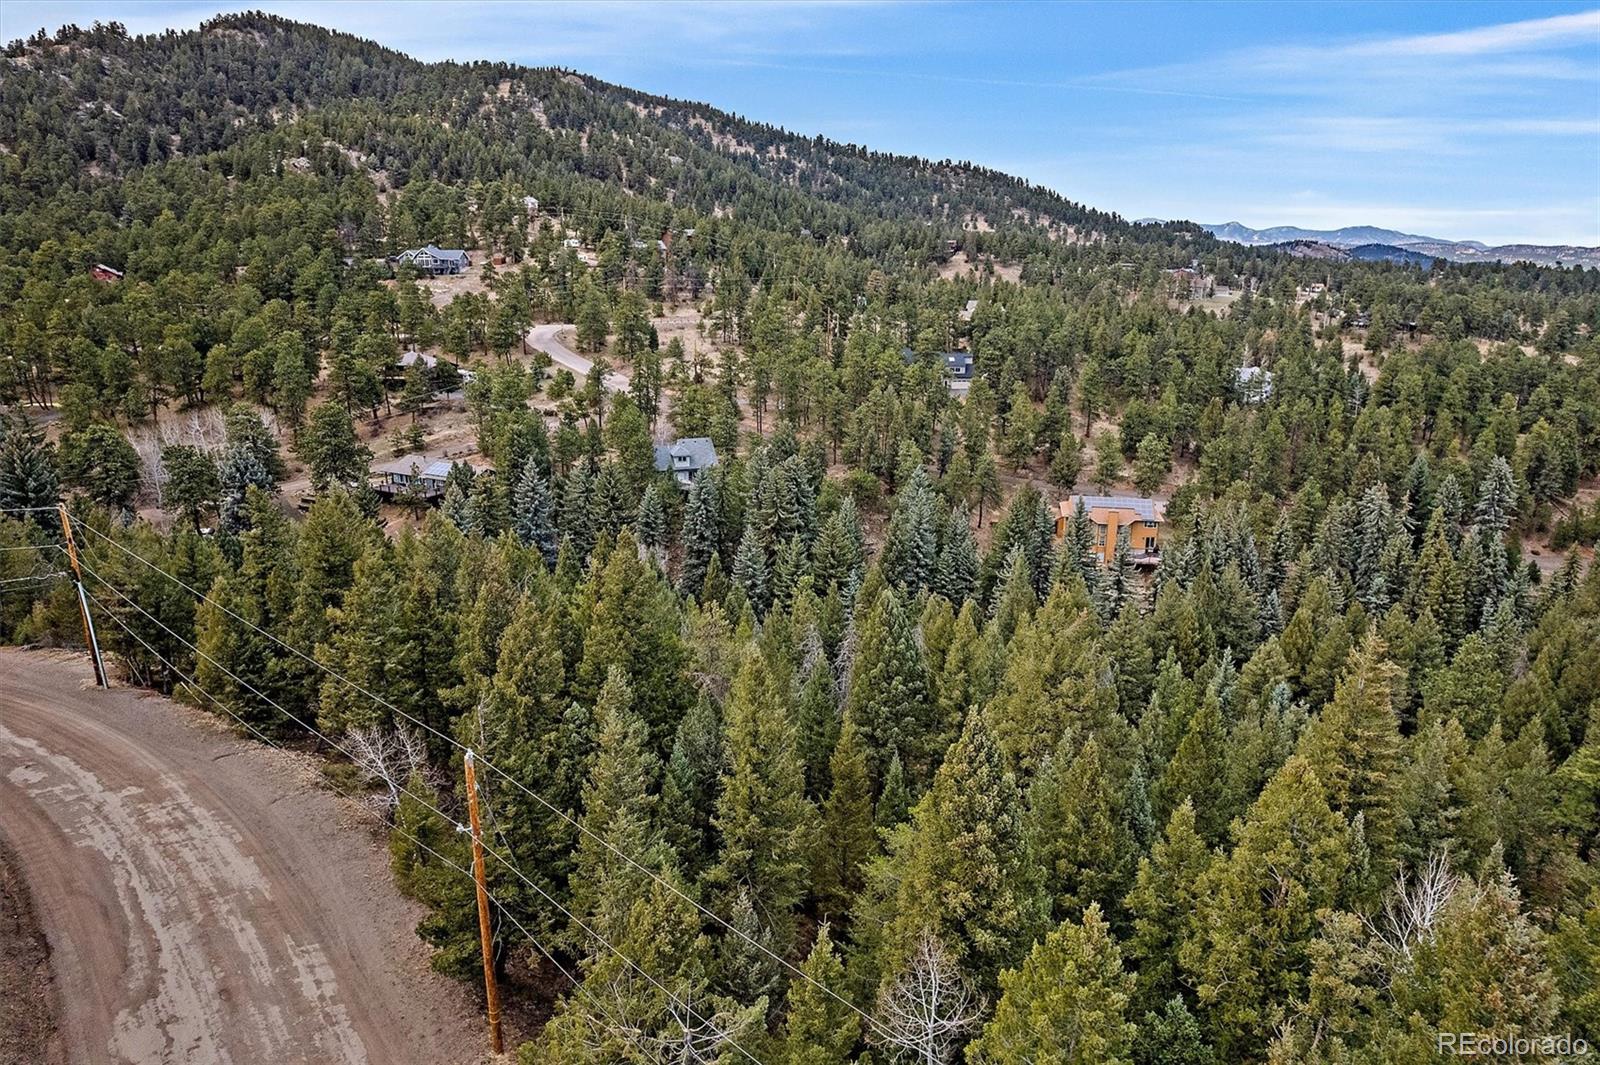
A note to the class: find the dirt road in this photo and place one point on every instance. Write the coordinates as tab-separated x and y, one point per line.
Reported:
203	900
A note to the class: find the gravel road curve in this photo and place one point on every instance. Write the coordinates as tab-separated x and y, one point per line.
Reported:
203	899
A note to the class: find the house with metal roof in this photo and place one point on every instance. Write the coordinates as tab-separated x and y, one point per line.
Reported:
420	473
1141	516
685	458
432	260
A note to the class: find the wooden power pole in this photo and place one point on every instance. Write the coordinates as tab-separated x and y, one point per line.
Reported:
491	989
90	638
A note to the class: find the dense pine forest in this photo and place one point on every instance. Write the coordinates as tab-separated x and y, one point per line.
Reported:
861	748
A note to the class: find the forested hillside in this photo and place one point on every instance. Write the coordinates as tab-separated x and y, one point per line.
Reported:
848	752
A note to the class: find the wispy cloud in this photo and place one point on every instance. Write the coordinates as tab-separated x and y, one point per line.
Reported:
1557	31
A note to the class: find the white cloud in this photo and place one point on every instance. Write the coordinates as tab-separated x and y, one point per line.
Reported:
1558	31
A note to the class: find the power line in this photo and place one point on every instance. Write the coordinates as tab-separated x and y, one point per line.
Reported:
547	804
504	910
514	869
34	577
191	682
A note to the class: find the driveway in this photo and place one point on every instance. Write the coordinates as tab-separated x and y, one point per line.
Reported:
547	339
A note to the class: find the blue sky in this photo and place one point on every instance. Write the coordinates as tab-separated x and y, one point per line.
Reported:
1458	120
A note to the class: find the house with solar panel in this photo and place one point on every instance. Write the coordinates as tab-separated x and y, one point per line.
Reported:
418	475
1141	516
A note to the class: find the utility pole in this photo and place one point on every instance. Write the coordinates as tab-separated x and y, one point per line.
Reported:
90	638
491	989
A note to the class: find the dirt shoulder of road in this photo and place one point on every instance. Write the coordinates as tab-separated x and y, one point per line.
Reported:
202	897
28	1033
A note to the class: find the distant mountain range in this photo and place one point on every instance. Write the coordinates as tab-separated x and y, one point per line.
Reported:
1371	242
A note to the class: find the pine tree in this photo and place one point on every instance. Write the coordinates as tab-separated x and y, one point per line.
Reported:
910	549
816	713
238	472
1171	1037
839	552
331	449
700	535
1067	1003
1198	771
577	514
1076	831
1484	970
894	797
532	510
630	619
1497	498
1015	602
618	820
967	876
750	570
819	1027
689	788
1257	909
956	575
763	817
1354	747
1163	903
847	838
889	698
652	519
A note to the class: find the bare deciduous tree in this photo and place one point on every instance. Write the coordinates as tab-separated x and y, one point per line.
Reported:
929	1007
389	758
1413	905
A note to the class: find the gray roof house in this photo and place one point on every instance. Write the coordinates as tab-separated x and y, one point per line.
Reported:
957	366
685	458
431	260
428	472
1255	384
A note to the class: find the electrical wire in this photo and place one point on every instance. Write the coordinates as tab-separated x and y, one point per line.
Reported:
514	869
871	1021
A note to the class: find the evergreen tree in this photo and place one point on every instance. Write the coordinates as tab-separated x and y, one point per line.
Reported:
967	876
618	820
331	450
1076	831
1067	1003
819	1026
1256	913
888	697
1354	748
652	519
1163	903
838	555
700	535
763	818
1198	771
689	787
532	511
847	837
1171	1037
750	570
956	575
577	515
